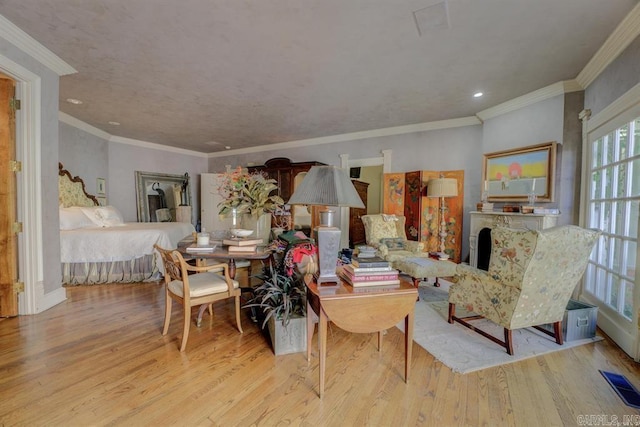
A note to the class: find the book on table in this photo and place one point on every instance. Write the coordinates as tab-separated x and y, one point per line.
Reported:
242	242
242	249
204	248
355	284
369	262
370	277
377	288
357	271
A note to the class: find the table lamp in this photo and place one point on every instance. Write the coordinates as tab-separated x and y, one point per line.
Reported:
442	187
327	186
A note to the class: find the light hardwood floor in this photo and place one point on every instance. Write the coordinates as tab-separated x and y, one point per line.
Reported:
99	359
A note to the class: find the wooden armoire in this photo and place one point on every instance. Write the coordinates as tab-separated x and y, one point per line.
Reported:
284	171
356	227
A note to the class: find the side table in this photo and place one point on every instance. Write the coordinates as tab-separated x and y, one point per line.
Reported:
362	309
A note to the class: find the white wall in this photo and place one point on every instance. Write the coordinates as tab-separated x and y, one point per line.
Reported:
84	155
125	160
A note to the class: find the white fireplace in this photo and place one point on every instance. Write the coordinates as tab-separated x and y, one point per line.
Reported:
490	220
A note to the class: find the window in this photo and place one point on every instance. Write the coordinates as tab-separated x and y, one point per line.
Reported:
612	206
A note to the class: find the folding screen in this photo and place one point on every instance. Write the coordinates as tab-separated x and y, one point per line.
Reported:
405	194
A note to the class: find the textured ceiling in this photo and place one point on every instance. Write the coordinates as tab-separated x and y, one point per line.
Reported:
204	74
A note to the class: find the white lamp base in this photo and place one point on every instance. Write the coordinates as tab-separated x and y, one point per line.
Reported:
328	240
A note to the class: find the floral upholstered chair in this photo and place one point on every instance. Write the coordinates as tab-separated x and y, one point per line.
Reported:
386	234
529	282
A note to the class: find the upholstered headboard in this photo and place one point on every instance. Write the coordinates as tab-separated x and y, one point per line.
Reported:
71	191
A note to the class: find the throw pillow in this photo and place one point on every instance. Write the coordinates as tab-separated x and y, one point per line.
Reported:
394	243
73	218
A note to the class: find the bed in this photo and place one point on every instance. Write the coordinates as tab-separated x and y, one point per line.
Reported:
97	246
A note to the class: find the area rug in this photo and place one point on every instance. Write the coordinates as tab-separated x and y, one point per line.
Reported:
463	350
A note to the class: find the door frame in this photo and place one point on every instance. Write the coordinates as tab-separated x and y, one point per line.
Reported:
623	109
29	186
346	163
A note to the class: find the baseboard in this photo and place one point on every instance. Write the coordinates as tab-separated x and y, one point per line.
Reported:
51	299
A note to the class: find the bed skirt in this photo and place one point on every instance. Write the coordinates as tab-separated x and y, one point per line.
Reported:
91	273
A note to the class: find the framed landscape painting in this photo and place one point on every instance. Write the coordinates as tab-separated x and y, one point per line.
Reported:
512	175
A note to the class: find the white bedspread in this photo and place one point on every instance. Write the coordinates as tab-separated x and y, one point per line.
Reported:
127	242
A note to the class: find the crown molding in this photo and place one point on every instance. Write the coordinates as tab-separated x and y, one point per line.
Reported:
154	146
23	41
559	88
626	32
353	136
72	121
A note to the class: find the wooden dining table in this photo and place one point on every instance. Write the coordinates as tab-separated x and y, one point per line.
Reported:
359	309
220	252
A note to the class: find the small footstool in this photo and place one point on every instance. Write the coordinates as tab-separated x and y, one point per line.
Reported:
421	268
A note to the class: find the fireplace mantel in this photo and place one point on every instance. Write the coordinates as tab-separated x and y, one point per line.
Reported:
481	220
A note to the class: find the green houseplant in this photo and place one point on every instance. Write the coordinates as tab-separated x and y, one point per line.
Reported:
248	193
280	296
250	196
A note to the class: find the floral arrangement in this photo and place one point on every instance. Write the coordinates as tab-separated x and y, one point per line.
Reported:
248	193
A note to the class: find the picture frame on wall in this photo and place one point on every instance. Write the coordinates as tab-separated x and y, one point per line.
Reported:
512	175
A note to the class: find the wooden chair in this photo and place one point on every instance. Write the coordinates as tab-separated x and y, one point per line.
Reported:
204	287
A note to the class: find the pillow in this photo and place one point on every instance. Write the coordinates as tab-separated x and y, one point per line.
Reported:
393	243
103	216
74	218
110	216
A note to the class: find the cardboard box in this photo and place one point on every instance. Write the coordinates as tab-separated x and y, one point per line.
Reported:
579	321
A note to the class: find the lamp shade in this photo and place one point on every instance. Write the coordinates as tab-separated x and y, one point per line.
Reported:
326	186
442	187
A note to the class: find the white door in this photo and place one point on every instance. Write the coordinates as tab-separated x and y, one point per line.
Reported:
209	198
612	205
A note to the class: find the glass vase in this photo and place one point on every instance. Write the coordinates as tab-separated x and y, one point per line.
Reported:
260	224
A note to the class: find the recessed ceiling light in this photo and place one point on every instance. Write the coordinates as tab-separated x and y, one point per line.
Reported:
114	123
477	94
74	101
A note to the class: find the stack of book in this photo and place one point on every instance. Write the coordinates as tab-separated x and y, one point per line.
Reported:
372	271
365	251
201	248
242	245
485	207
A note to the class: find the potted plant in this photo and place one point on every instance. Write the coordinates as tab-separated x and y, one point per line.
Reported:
250	196
282	298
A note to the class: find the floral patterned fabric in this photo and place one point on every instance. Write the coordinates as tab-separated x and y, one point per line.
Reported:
377	229
531	275
72	193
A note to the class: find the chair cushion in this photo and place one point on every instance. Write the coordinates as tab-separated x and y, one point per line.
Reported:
393	243
202	284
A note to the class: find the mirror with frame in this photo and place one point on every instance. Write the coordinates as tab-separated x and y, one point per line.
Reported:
158	195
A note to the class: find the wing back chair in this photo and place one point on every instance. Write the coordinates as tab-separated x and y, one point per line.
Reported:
386	234
529	282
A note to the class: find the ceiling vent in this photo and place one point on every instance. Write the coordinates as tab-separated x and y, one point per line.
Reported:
434	17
